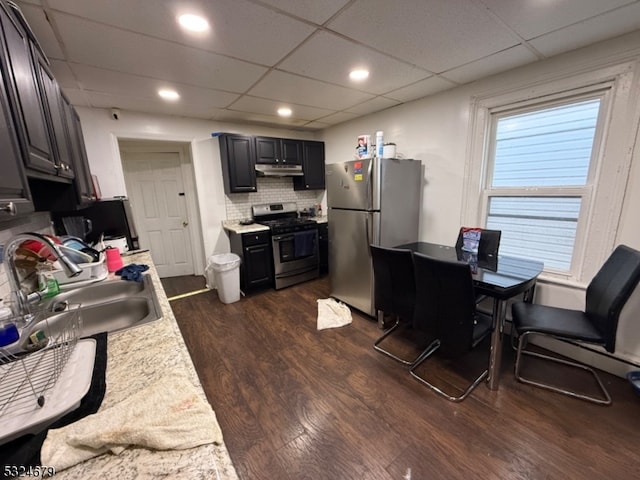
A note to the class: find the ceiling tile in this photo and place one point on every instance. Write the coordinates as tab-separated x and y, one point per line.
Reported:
77	97
317	125
623	20
270	107
328	57
138	104
96	79
158	19
46	38
303	91
271	120
339	117
63	74
436	35
312	10
421	89
498	62
531	18
113	49
374	105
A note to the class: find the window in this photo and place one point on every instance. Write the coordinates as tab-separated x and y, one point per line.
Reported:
548	162
539	178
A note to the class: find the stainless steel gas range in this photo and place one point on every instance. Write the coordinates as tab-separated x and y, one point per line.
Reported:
294	242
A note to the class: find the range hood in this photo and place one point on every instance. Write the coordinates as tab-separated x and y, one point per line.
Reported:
279	170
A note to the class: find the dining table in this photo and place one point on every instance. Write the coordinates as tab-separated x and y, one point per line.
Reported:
500	277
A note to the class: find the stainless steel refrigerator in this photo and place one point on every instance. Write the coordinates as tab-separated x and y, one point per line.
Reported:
371	201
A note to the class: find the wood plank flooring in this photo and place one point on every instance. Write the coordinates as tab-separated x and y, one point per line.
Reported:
297	403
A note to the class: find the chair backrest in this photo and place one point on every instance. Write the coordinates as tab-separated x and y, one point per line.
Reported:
489	241
609	291
445	302
394	285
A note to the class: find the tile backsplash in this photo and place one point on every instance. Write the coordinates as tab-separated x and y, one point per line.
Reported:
270	190
37	222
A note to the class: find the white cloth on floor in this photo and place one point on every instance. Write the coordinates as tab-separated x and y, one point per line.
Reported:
170	414
332	314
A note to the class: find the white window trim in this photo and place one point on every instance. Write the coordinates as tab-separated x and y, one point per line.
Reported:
608	177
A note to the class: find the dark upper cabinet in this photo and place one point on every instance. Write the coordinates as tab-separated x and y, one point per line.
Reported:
237	153
14	189
291	151
277	150
28	106
312	166
50	91
267	150
83	183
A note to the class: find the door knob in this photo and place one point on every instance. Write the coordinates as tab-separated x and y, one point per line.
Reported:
184	224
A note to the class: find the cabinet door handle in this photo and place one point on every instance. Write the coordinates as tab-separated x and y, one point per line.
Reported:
9	208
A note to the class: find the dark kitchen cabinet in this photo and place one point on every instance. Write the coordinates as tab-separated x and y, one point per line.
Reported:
52	100
256	267
28	106
237	153
83	182
14	189
271	150
312	166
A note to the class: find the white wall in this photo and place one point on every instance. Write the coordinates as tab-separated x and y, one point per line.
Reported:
101	133
436	130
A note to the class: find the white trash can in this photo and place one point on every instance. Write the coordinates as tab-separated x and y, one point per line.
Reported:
226	273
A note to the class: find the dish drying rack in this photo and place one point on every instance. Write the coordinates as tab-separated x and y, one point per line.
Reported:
27	376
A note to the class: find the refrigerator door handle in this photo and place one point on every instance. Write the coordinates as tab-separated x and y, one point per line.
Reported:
366	228
369	187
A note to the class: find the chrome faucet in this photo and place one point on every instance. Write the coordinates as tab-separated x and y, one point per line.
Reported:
70	268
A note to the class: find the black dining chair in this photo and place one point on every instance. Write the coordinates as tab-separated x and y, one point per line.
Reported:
489	243
445	304
394	291
606	296
488	247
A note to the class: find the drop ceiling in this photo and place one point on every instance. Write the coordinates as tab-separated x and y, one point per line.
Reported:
260	55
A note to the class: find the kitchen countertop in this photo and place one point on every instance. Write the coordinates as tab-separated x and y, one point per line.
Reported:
235	227
136	357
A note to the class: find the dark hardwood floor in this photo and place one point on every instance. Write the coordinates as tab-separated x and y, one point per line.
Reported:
297	403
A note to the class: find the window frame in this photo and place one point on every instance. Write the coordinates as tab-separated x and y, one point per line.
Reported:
584	192
608	171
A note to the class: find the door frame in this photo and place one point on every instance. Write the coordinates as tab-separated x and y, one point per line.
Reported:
183	150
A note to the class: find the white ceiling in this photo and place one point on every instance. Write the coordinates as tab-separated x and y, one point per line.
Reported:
263	54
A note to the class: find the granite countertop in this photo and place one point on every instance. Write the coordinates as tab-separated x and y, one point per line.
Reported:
136	357
235	227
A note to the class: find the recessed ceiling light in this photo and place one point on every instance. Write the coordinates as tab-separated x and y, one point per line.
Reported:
171	95
194	23
359	75
284	112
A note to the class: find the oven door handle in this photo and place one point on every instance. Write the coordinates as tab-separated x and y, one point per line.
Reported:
283	237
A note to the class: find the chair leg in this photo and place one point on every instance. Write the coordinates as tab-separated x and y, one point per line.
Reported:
388	332
521	351
433	347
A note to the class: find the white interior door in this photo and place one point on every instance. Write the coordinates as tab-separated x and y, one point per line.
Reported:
156	189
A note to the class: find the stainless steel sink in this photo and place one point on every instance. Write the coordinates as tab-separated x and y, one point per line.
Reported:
104	291
108	306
